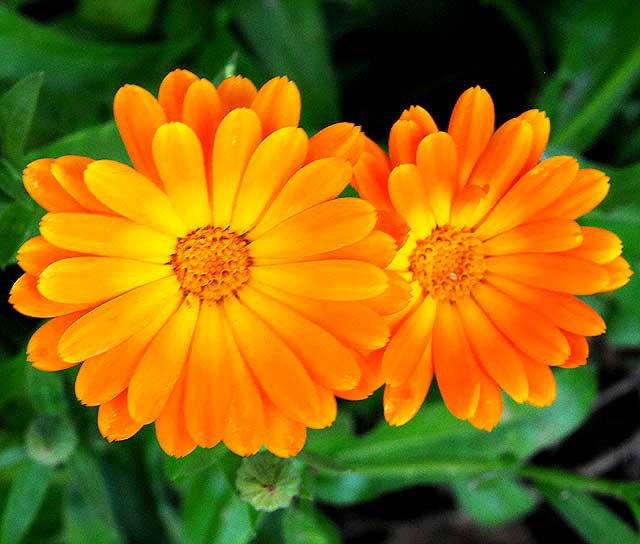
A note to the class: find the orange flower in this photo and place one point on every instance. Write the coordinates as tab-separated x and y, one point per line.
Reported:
219	288
494	257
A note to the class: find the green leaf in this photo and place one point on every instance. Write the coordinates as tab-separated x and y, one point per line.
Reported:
212	512
133	16
17	107
589	517
494	500
200	459
11	183
50	439
437	447
98	142
88	515
25	497
46	392
12	377
303	524
290	38
16	221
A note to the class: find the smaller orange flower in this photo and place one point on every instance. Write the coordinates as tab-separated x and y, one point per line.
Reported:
494	258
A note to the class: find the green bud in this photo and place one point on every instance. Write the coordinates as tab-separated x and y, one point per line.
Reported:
268	482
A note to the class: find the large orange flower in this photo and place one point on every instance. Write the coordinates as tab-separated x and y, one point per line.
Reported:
218	288
494	257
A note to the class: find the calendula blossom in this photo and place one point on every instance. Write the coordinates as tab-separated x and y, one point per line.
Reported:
494	256
218	288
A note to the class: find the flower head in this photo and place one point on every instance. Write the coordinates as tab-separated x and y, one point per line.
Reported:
218	288
494	257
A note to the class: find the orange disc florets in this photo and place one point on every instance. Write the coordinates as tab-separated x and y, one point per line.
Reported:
448	263
211	262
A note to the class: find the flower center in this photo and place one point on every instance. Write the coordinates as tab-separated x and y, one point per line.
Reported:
211	262
448	263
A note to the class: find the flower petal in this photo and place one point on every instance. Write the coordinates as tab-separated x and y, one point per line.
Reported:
115	321
178	156
236	92
544	236
542	384
172	92
132	195
88	280
330	280
171	428
277	104
528	330
552	271
409	196
541	127
42	349
328	362
272	164
598	245
46	190
159	369
283	436
107	236
324	227
69	172
304	190
28	300
114	420
138	116
237	137
208	386
36	254
489	408
279	372
342	140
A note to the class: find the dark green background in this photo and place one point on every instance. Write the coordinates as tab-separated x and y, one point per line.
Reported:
567	471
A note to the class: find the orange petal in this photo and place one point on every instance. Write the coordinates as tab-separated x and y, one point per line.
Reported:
598	245
237	137
377	248
172	92
115	321
171	428
88	280
208	384
421	117
162	362
565	311
501	162
245	431
283	436
371	174
586	191
465	204
456	370
524	327
408	344
552	271
542	384
69	172
401	403
236	92
132	195
324	227
543	236
36	254
619	273
277	104
27	299
45	189
371	377
305	190
438	163
202	111
342	140
328	409
394	298
275	160
471	127
350	322
42	349
489	408
114	420
138	116
104	376
330	280
494	352
406	133
409	196
328	361
541	127
579	350
279	372
107	236
178	156
531	193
